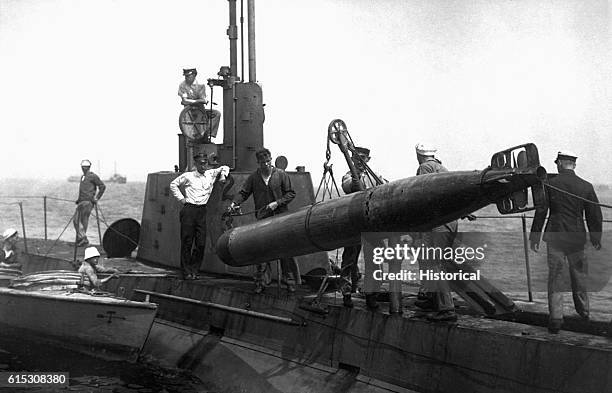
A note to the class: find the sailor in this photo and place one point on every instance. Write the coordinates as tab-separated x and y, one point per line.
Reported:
350	254
90	267
8	253
194	94
89	185
435	295
272	193
198	186
569	199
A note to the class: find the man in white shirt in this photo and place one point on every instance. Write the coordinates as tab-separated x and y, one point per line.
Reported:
198	186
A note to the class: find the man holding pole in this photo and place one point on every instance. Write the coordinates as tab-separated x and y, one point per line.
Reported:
90	185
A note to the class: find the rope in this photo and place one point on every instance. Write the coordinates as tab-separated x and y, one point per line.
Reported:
60	199
19	196
34	197
60	235
103	219
577	196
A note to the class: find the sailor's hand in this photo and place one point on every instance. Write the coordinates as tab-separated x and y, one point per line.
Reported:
272	205
233	208
596	245
535	246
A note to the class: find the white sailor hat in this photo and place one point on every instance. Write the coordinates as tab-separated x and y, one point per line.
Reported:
85	163
91	252
425	150
9	232
566	155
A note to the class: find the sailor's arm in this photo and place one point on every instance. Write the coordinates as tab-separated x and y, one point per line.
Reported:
190	101
103	269
594	218
288	194
221	173
244	193
537	225
93	278
350	185
193	101
101	187
174	188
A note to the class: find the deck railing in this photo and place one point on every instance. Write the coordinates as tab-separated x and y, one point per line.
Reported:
44	198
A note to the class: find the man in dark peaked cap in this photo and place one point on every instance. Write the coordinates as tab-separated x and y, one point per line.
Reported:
194	94
565	235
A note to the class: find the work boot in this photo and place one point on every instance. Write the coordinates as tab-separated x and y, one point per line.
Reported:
554	325
443	316
347	301
371	302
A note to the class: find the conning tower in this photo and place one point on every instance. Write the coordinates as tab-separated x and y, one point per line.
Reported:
243	119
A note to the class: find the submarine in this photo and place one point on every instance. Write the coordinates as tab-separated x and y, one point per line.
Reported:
221	331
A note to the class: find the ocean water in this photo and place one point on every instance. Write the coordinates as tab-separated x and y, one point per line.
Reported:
504	265
119	201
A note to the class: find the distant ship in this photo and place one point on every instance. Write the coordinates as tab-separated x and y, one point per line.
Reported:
117	178
74	179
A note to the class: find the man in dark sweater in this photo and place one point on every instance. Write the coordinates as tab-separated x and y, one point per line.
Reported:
272	192
90	185
565	235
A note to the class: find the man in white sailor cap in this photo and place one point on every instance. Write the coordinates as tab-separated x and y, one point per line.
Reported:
569	199
8	252
91	189
90	267
435	295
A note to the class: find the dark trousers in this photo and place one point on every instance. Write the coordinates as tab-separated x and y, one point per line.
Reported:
350	268
289	269
193	237
438	290
578	269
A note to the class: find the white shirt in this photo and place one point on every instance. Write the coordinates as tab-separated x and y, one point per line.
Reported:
198	186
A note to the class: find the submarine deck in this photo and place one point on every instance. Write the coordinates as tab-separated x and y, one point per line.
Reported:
393	352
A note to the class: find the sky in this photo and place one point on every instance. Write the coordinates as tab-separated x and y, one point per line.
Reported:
98	80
